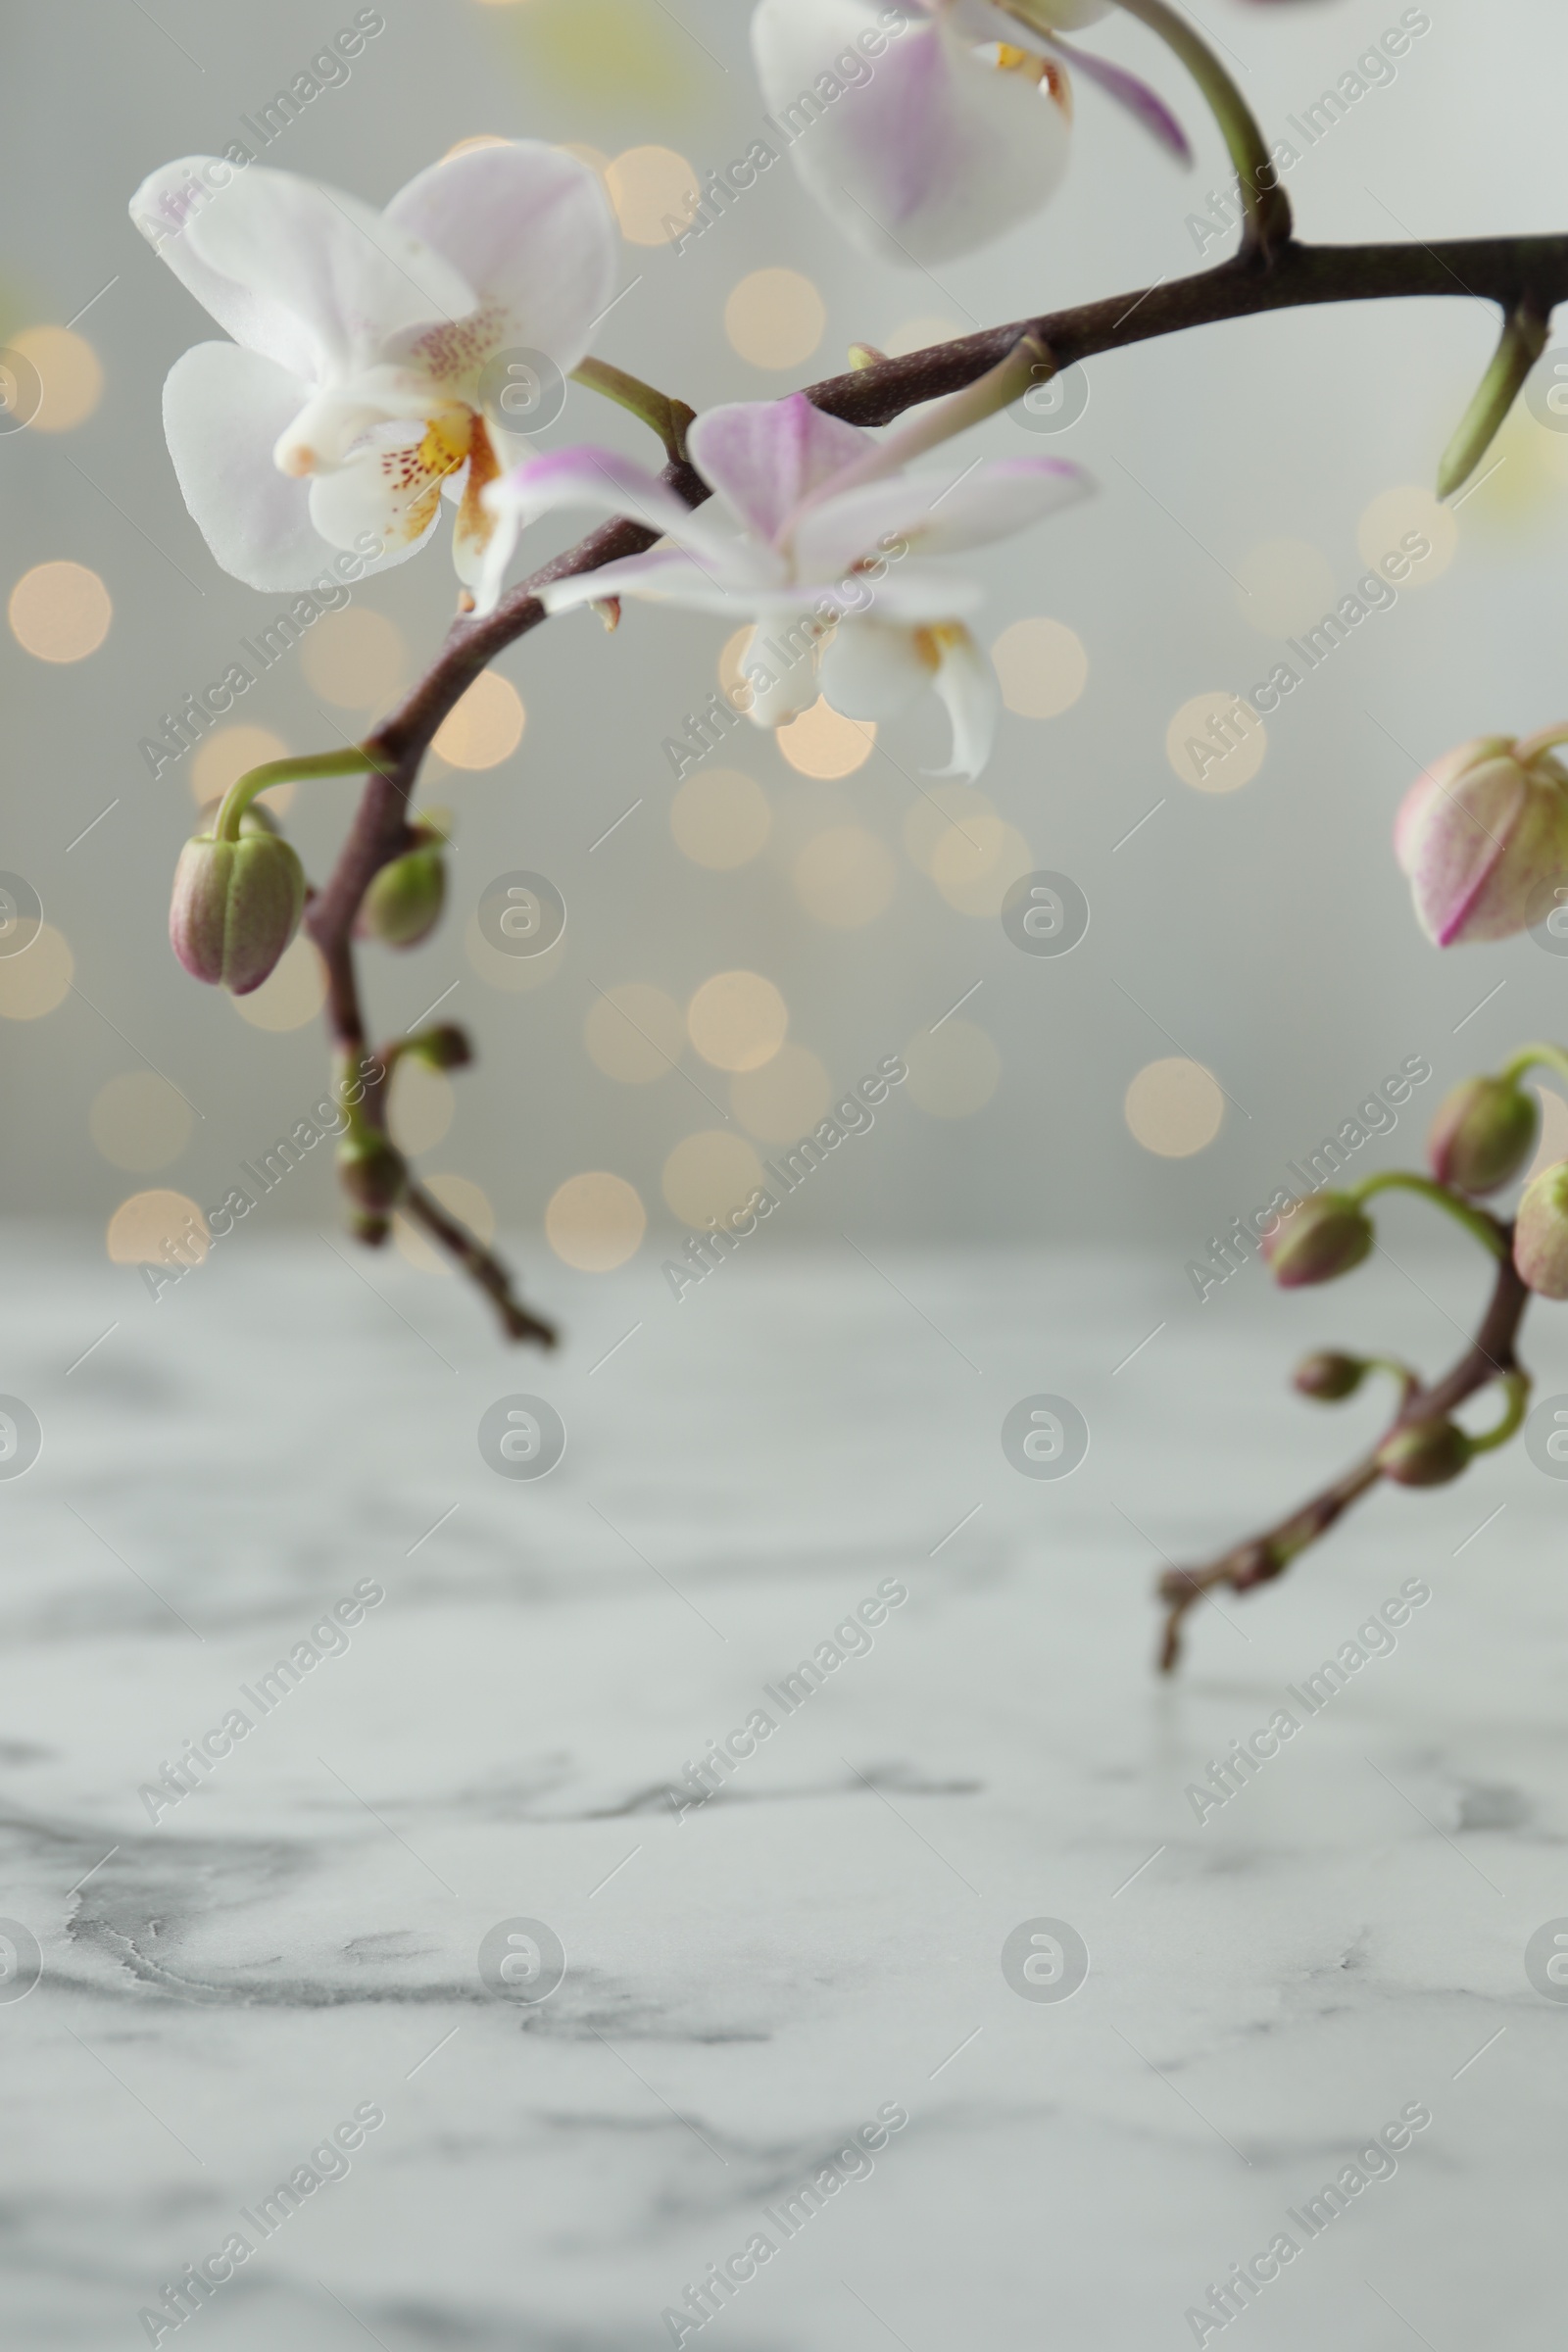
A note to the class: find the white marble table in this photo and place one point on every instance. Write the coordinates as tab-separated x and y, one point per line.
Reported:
750	1984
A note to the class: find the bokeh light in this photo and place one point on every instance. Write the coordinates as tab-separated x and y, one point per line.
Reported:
222	759
146	1228
291	995
954	1069
737	1021
845	877
1216	742
710	1175
487	726
775	318
785	1099
720	818
1174	1108
1041	666
140	1121
357	658
1395	524
35	982
594	1222
654	191
820	742
974	864
940	806
60	611
634	1033
70	374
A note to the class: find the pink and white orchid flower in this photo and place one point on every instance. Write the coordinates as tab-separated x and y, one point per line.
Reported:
350	398
929	128
1483	834
836	572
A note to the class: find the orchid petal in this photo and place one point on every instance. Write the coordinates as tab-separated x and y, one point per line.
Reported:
872	669
1145	105
764	457
350	277
932	153
937	514
222	411
968	687
165	208
664	576
390	491
531	228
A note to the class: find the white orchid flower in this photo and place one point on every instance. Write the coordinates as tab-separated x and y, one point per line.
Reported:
926	141
351	397
835	578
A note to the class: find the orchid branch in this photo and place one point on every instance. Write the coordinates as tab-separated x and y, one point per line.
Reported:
1260	1558
1509	271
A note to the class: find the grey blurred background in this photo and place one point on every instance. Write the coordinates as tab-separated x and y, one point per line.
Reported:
1265	934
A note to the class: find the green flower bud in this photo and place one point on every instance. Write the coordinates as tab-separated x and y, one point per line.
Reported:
1482	1134
1541	1236
1321	1238
371	1171
1329	1376
1426	1454
404	902
446	1047
235	908
371	1230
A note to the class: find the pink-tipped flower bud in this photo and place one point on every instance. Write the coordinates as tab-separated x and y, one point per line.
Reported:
1426	1454
404	902
372	1173
1479	832
1329	1376
1541	1236
236	907
1482	1134
1322	1236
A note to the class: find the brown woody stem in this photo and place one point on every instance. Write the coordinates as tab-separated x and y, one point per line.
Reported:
1260	1558
1506	271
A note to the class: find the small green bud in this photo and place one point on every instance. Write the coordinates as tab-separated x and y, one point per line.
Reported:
1329	1376
1541	1236
235	908
371	1230
371	1171
404	902
1322	1236
446	1047
1482	1135
1425	1454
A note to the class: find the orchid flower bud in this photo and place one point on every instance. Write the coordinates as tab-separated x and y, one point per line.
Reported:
1482	1134
446	1047
1478	833
1329	1376
404	902
371	1171
1541	1236
1321	1238
236	907
1425	1454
